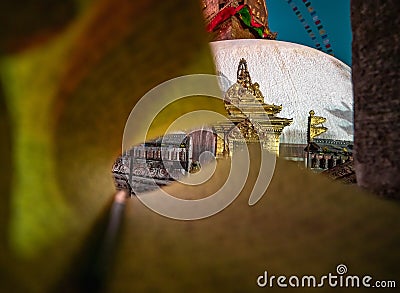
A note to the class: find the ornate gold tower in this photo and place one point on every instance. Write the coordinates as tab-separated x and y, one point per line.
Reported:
255	120
232	19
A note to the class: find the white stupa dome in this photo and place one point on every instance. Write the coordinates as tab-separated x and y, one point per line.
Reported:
298	77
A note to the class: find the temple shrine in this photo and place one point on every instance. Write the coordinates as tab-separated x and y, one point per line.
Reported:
255	120
234	27
163	160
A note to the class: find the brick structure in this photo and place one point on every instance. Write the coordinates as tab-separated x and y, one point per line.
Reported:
376	95
233	27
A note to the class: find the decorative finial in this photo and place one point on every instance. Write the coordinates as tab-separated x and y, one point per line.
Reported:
244	79
243	75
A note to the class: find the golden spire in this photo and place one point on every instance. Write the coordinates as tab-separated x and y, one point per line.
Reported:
244	79
243	75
